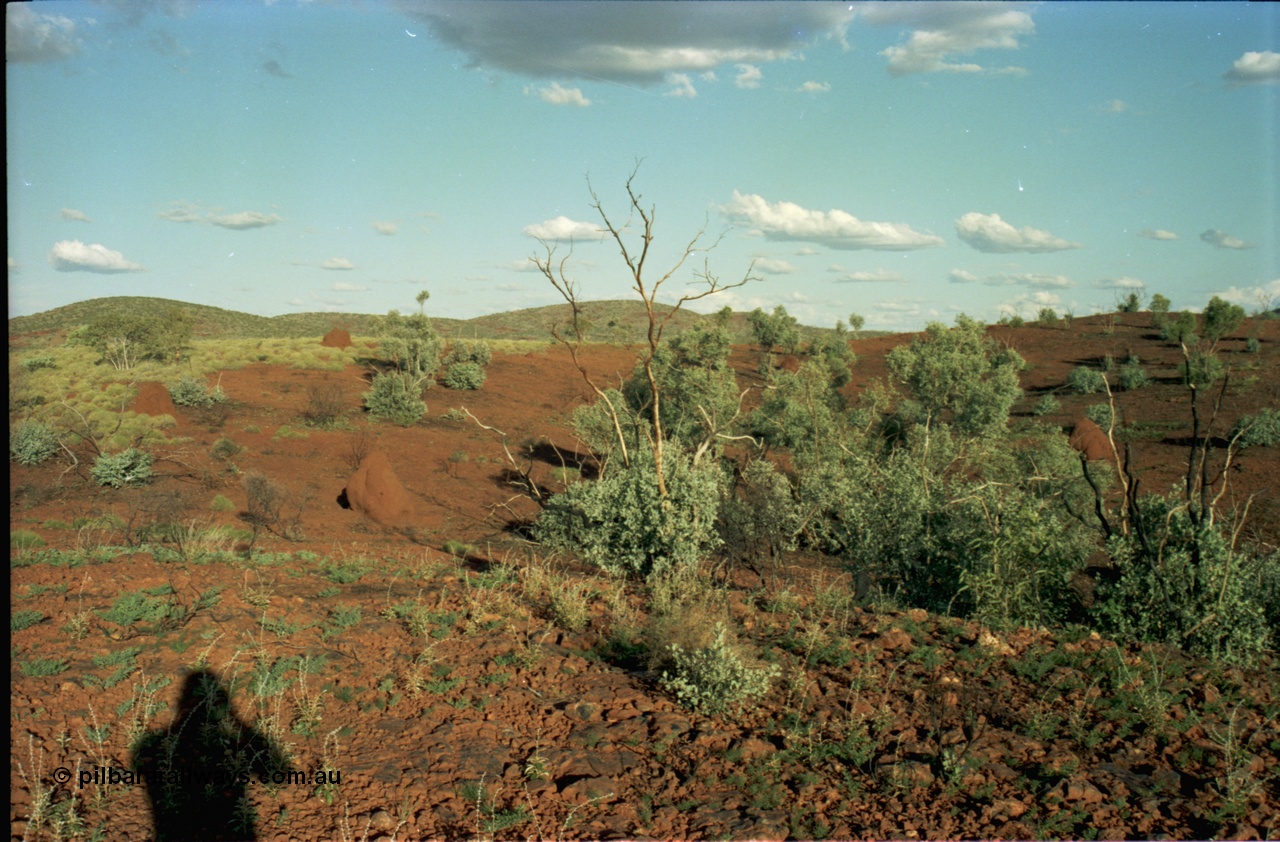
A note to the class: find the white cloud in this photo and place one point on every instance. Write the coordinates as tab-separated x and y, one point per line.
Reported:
73	215
1123	282
343	287
749	76
943	30
1157	234
773	266
630	43
962	276
682	86
75	256
805	251
834	229
812	87
524	264
244	220
296	302
31	37
1264	297
563	229
1223	240
1116	106
876	276
1255	68
557	94
338	264
1033	280
388	229
990	233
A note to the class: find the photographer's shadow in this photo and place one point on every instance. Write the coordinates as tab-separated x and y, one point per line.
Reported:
198	770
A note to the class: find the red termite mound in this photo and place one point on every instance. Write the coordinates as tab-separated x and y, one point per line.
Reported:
153	399
1089	439
336	338
375	490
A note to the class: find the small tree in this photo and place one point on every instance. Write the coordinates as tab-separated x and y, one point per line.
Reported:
1132	303
855	323
1220	318
774	331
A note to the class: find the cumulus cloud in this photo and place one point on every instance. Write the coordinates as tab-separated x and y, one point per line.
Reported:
563	229
773	266
388	229
749	76
625	42
340	264
1031	279
990	233
1223	240
834	229
75	256
1123	282
30	37
557	94
1260	68
682	86
812	87
941	31
1157	234
244	220
73	215
877	276
1264	297
962	276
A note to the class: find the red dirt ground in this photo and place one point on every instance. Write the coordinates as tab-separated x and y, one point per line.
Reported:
567	743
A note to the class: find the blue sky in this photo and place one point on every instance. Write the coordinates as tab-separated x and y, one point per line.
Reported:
902	161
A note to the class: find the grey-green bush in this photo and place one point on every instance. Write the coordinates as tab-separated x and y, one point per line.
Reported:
38	362
711	679
758	520
391	397
1260	430
463	376
1046	405
1133	376
621	523
1087	381
191	392
31	443
128	467
1100	414
466	351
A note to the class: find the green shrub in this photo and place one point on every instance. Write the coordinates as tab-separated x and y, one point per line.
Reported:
391	397
23	619
464	351
1132	303
711	679
1180	330
191	392
1133	376
759	521
1184	585
621	524
1048	317
1100	414
1252	345
225	449
129	467
1087	381
1016	320
463	376
38	362
31	443
1201	370
1261	430
1046	405
1221	318
24	539
222	504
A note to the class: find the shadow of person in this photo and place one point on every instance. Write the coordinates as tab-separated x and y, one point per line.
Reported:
199	769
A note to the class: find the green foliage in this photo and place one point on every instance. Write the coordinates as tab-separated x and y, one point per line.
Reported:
395	397
699	393
1252	345
24	539
1132	303
128	467
855	323
189	391
1160	312
1221	318
711	679
220	503
463	376
411	345
1087	381
31	443
1181	330
801	410
464	351
759	518
834	351
1186	586
123	339
621	523
1046	405
1133	376
1260	430
778	330
23	619
1202	369
1100	414
1048	317
962	371
38	362
225	449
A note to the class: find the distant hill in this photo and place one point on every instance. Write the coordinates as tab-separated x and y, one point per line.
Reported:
619	322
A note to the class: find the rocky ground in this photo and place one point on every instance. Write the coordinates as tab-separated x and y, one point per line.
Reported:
395	632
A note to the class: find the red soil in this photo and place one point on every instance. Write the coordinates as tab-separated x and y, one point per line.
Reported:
153	399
